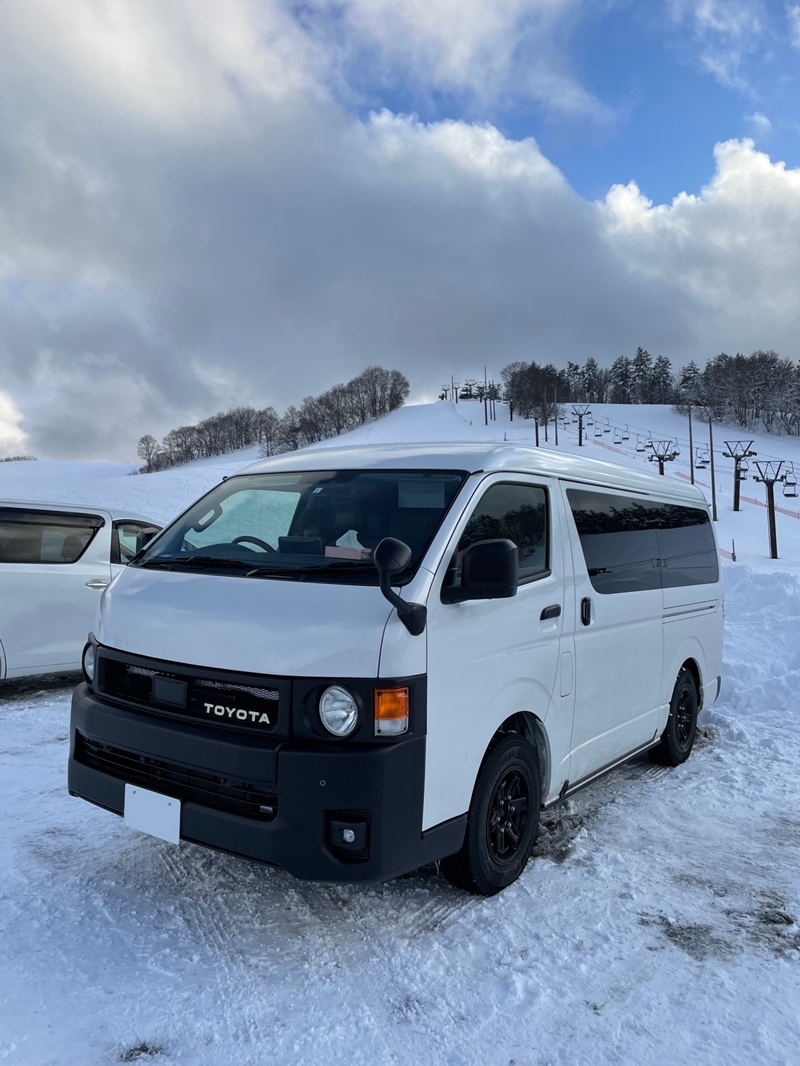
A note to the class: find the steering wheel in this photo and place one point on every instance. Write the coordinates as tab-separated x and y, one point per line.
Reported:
254	540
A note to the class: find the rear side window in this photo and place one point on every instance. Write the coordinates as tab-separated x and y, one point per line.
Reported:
518	512
632	544
688	552
45	536
123	539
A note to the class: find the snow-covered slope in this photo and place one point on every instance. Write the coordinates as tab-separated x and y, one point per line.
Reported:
747	528
658	925
163	495
159	496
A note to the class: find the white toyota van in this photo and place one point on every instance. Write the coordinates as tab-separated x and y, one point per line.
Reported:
349	662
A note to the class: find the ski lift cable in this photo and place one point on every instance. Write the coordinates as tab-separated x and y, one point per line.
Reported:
681	441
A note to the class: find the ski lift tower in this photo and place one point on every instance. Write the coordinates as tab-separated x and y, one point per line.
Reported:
664	451
581	411
769	474
740	452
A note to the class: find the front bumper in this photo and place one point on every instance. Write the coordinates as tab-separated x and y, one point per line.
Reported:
310	788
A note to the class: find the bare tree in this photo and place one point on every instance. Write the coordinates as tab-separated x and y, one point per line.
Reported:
267	423
372	393
146	450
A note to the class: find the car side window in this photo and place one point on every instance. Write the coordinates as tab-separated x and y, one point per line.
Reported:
633	544
123	539
45	536
514	511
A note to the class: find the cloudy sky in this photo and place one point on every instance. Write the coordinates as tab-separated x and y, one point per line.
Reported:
210	202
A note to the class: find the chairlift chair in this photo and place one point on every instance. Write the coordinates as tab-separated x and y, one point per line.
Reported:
607	427
626	434
617	437
700	460
744	466
790	484
598	430
640	444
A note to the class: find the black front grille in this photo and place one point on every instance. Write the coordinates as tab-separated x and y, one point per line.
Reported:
211	699
181	782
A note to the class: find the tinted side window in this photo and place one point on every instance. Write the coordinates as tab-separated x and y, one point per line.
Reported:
619	540
688	553
518	512
632	544
45	536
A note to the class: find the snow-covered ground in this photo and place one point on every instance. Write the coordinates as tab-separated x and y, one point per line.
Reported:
658	925
159	497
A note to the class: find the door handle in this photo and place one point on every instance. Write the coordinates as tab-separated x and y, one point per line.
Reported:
586	611
97	584
553	611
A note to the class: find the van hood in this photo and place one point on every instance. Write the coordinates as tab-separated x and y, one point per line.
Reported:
255	625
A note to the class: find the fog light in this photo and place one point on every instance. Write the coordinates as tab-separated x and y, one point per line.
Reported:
391	711
338	711
88	662
352	838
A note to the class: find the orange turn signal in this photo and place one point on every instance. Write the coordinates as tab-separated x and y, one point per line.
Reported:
391	711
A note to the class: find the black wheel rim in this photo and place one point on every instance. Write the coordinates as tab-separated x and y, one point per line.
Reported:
508	815
684	718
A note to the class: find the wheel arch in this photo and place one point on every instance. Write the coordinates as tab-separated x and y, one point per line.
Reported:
693	668
532	728
689	653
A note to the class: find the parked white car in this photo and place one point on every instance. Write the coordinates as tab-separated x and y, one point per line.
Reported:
55	561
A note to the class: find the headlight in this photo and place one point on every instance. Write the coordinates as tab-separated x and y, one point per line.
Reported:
88	662
338	711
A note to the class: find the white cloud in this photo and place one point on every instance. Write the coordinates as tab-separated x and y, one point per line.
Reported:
733	251
201	231
793	16
180	63
724	32
13	439
761	125
477	150
479	48
731	18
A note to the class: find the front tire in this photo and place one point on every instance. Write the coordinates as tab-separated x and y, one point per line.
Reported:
677	740
503	819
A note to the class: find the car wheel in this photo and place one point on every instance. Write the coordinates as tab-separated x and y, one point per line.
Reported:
677	739
503	819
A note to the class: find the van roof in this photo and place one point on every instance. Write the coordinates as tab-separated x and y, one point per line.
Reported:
477	458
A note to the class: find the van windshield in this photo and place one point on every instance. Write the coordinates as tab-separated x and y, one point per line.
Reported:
307	526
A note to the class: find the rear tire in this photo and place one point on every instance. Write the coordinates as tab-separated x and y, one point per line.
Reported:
677	740
503	819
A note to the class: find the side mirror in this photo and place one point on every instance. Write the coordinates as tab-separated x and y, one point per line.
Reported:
490	571
144	536
390	557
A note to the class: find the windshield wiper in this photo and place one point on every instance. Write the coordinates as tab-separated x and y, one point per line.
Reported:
339	566
210	562
201	561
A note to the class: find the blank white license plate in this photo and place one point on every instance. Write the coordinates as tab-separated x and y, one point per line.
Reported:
152	813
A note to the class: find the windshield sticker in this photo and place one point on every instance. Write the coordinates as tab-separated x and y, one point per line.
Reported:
427	494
